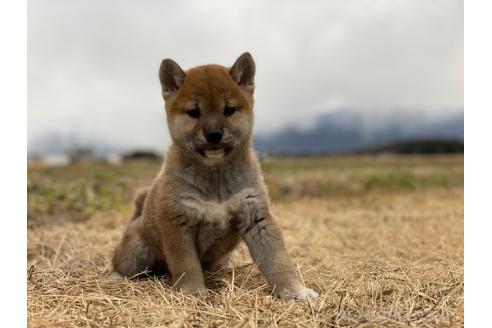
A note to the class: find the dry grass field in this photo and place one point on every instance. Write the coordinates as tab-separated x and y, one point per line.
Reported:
381	239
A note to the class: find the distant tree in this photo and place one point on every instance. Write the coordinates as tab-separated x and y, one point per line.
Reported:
421	146
142	154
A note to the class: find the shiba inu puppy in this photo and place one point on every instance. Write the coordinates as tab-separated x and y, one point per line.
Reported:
210	193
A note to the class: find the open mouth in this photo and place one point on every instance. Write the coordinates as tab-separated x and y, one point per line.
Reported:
214	153
217	153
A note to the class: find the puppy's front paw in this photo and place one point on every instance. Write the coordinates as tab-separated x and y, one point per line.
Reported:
306	294
191	289
115	276
247	195
242	202
301	294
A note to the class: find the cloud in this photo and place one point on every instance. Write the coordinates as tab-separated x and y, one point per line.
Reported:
92	65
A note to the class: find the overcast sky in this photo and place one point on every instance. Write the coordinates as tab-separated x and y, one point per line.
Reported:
92	65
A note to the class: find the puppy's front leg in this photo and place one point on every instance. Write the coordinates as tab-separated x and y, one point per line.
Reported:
182	260
266	246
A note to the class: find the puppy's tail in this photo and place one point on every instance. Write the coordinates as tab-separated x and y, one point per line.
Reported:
139	202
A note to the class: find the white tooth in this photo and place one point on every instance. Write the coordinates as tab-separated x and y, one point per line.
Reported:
214	153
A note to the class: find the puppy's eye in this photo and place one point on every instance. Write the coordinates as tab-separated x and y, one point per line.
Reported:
195	113
229	110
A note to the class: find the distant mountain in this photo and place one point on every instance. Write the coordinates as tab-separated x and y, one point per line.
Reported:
347	131
341	131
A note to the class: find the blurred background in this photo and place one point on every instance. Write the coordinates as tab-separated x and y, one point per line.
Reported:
359	124
333	77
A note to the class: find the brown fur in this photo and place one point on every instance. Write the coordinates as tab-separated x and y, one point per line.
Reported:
200	206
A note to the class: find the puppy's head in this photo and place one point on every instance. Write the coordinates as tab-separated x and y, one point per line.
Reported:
209	108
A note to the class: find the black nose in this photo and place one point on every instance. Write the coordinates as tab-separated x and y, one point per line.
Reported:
213	136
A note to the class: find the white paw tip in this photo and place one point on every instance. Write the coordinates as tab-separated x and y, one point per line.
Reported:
307	294
115	276
302	294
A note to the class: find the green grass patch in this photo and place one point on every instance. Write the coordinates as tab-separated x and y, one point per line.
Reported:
77	192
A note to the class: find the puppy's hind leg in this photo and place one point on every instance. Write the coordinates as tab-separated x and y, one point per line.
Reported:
139	202
132	256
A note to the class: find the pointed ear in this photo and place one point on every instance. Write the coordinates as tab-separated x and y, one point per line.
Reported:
243	72
171	77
